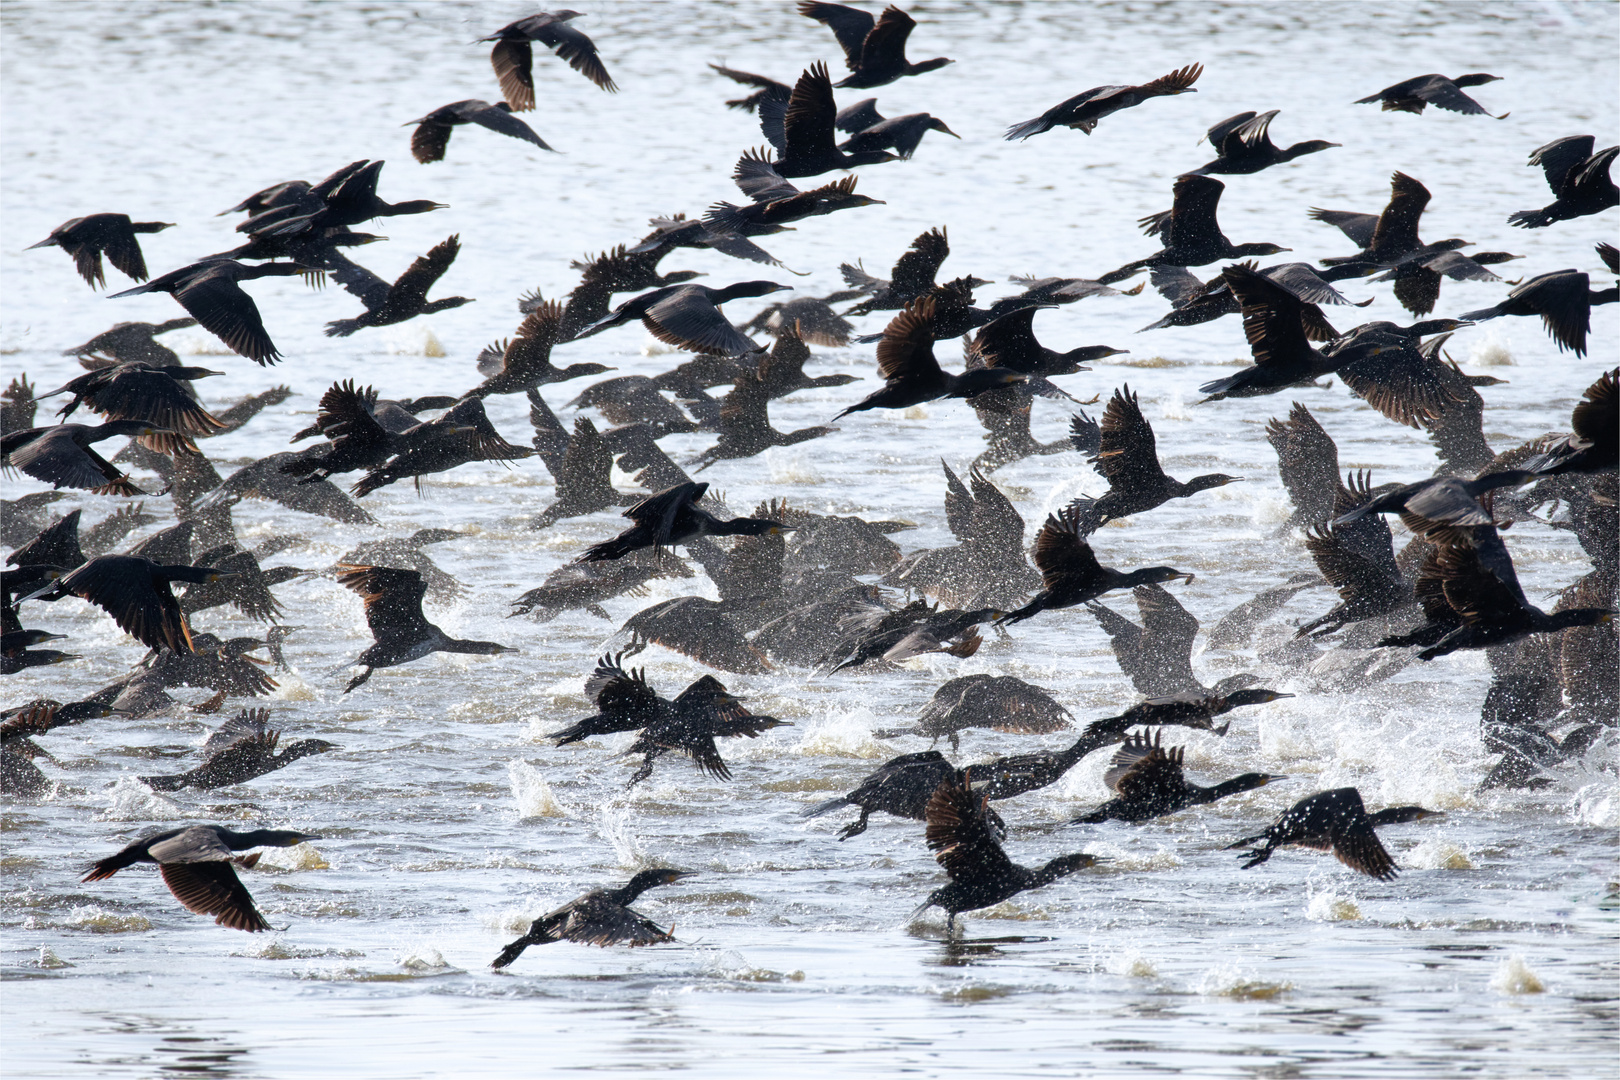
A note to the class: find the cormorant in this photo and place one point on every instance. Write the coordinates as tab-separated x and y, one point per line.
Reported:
462	435
1563	299
61	455
1196	302
1148	783
242	749
1308	464
673	517
211	292
776	201
1593	444
870	130
1411	95
405	299
1243	145
1084	110
1157	656
906	360
133	341
874	50
600	917
1335	821
1579	180
963	840
1009	341
525	361
433	131
1192	236
689	316
86	238
393	600
136	593
997	702
1071	573
588	585
513	55
196	865
1194	709
801	129
154	395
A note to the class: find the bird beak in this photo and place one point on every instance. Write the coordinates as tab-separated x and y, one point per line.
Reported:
52	637
221	575
947	131
1270	779
673	876
1188	577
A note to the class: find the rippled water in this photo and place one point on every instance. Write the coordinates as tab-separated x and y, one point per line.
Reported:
449	820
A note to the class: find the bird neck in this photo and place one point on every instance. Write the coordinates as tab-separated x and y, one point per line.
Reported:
301	749
482	648
1204	483
1397	815
927	65
1246	782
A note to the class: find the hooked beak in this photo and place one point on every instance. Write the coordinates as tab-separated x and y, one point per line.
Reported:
947	130
1188	577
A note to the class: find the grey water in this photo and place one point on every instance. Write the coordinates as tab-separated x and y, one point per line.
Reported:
448	818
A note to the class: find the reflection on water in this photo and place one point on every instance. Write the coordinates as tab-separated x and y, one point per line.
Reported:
449	820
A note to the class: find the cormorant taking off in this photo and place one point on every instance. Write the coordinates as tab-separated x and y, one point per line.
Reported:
673	517
1085	109
513	56
1148	783
86	238
600	917
393	600
1072	574
1437	90
1335	821
874	50
433	131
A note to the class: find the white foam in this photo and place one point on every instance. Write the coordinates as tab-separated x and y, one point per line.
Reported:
131	800
1513	976
1131	963
532	794
1596	804
1491	350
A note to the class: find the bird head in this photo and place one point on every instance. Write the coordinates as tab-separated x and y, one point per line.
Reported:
1064	865
936	124
1213	480
1257	695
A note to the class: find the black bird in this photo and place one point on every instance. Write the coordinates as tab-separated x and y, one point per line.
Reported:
600	917
802	129
1563	299
211	292
1413	94
870	130
874	50
998	702
1084	110
1129	460
811	317
782	369
1192	236
913	275
1442	500
963	839
1148	783
587	585
365	433
1070	572
61	455
405	299
1356	554
673	517
196	865
242	749
1335	821
292	197
988	565
1417	277
393	600
17	652
906	361
86	238
1157	656
1593	444
152	394
525	361
513	55
462	435
689	724
1387	237
1579	180
1243	145
912	631
133	341
346	198
1009	342
583	475
764	87
1194	710
689	316
433	131
745	424
1196	302
136	593
901	786
776	201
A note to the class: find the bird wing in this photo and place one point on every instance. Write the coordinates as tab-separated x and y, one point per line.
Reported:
1256	130
1303	281
593	919
196	844
1358	227
1271	317
858	117
1307	457
699	628
123	250
410	291
849	25
371	290
528	354
1192	214
212	888
578	50
757	178
247	724
1218	134
994	520
1128	457
218	303
430	140
498	119
958	504
1141	770
1595	416
1397	381
393	598
56	459
1562	299
138	394
1357	846
1060	553
1474	583
513	62
613	688
1397	227
887	39
907	348
960	835
1170	628
1007	703
658	512
1177	284
1442	93
914	272
687	319
807	128
122	586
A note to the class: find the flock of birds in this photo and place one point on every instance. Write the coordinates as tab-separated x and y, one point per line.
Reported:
804	603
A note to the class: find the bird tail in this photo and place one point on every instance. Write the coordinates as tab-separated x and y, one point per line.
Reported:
825	808
342	327
1531	219
1481	315
617	548
106	868
1028	128
164	783
1028	611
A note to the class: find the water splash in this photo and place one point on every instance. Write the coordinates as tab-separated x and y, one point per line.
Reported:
1330	905
298	857
1131	963
1437	855
1513	976
532	794
615	828
130	800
